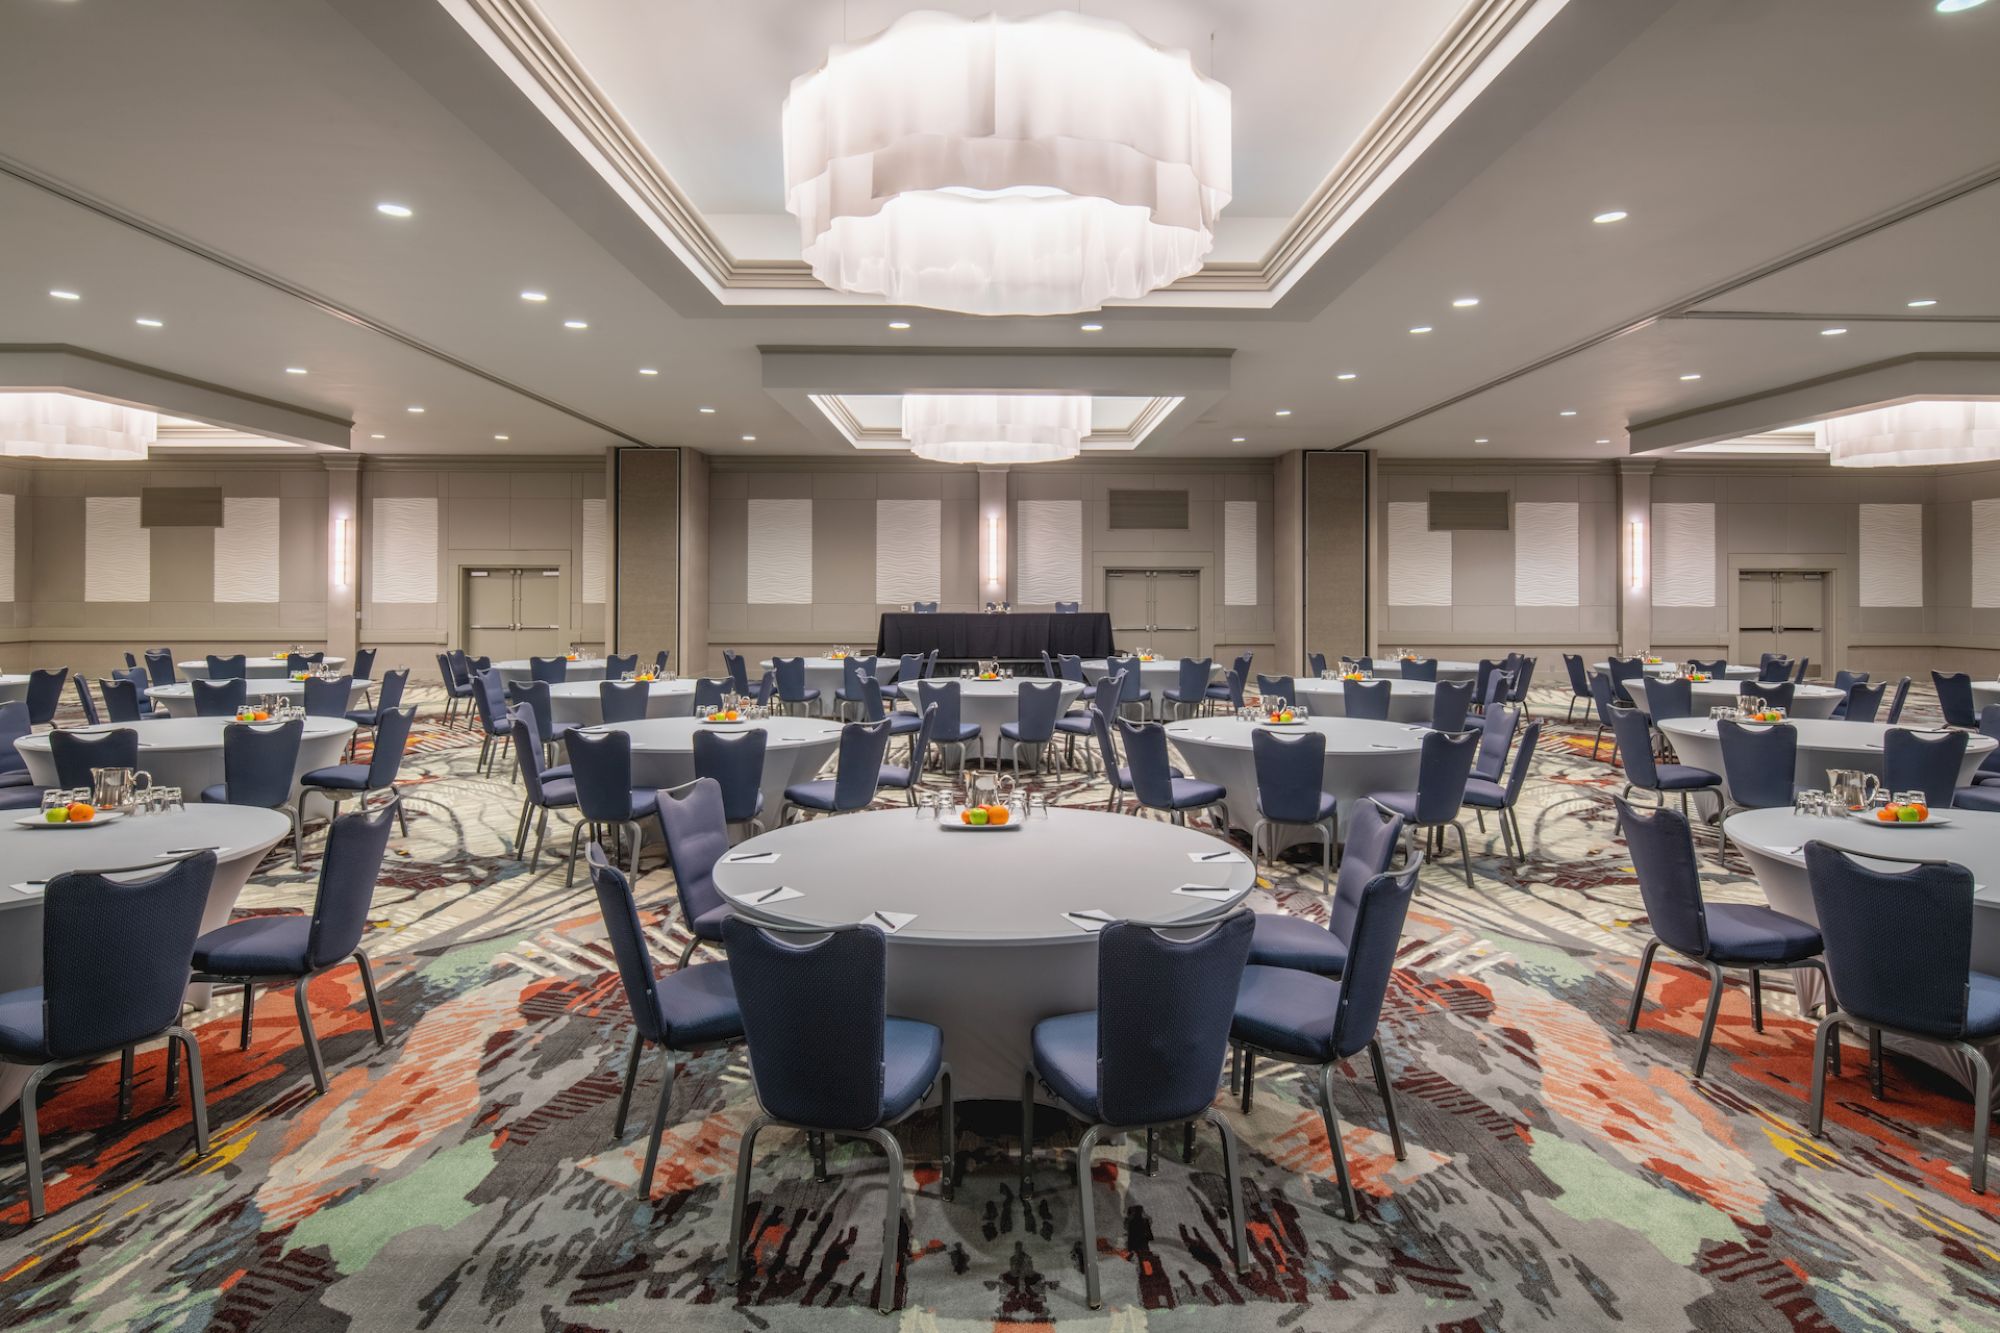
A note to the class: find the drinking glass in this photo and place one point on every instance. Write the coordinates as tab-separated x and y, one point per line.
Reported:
1912	798
1300	711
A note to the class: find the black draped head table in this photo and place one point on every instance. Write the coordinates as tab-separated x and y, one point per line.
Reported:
1019	635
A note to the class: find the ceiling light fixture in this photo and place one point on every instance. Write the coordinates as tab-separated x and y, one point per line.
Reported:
378	437
1604	441
1345	375
1567	412
393	210
749	439
1465	303
62	295
502	437
148	322
706	411
1615	215
899	324
1919	305
1927	433
295	370
534	296
1693	376
1421	328
575	324
992	166
995	427
647	370
1091	328
1282	412
1956	6
416	411
1481	440
1831	333
61	425
1238	439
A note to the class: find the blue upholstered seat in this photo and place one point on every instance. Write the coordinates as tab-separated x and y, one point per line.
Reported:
22	1034
254	947
1747	933
1982	1006
1288	1011
698	1005
1065	1054
911	1051
340	777
1292	941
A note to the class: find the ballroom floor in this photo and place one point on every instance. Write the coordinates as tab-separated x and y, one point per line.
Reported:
1561	1174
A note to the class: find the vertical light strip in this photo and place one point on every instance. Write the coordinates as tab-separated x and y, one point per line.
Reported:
1635	554
343	551
992	551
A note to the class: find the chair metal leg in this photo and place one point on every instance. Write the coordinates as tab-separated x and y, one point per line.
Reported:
249	1005
1826	1035
1715	988
1388	1097
1464	850
816	1145
892	1221
741	1199
659	1123
1333	1143
541	837
947	1132
1982	1114
1237	1238
197	1090
1027	1131
124	1082
368	989
1756	1000
173	1069
1875	1063
575	836
1249	1077
1087	1216
631	1078
1639	985
309	1039
1152	1150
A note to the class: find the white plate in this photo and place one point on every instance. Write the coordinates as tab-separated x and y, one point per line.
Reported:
1295	722
103	817
1868	818
955	825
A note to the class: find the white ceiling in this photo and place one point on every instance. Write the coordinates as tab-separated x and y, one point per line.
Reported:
232	153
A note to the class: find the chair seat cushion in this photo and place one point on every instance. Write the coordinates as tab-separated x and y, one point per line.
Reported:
645	803
20	798
18	778
1982	1007
1485	794
698	1005
910	1054
1075	724
904	724
1280	940
1743	932
1328	804
1065	1055
1686	777
1189	793
340	777
1403	803
708	926
1288	1011
1125	776
805	698
967	731
1217	692
1175	696
1012	731
362	717
259	946
557	772
1977	797
216	795
895	776
558	791
1985	777
814	795
22	1036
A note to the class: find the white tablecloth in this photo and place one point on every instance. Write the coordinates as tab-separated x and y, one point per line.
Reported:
797	748
826	674
255	667
179	699
1985	693
1447	670
1409	700
1734	671
576	703
1361	758
989	704
13	689
186	752
1823	744
517	671
1808	701
989	953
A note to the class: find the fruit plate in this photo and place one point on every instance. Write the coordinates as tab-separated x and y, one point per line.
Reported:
1267	722
1868	817
101	817
954	824
723	721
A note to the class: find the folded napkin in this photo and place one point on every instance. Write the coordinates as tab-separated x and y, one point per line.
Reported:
1213	892
753	858
1227	854
33	888
891	922
1090	919
765	897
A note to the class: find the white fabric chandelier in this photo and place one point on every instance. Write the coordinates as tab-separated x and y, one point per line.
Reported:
995	428
1929	433
995	166
61	425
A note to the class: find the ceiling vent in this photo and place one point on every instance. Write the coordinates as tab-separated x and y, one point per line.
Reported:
1149	509
1469	511
180	507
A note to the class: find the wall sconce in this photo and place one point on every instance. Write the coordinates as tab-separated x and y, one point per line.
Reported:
993	550
343	552
1635	554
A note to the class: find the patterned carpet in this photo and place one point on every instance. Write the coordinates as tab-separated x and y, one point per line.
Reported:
1561	1174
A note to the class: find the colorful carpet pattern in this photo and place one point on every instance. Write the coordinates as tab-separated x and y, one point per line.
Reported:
1561	1174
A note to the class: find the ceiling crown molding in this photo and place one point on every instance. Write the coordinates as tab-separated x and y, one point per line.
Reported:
1463	60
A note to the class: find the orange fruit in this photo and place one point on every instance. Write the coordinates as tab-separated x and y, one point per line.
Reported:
1923	811
996	814
965	816
1887	814
81	812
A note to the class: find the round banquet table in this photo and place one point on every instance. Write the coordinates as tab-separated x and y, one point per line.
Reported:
1409	700
1824	743
13	689
827	674
1808	701
186	752
1392	667
1362	757
179	699
797	748
255	667
1732	672
576	702
1158	676
1773	841
516	671
1985	693
988	704
988	951
242	833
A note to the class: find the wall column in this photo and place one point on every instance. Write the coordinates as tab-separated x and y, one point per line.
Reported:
1635	555
343	554
995	581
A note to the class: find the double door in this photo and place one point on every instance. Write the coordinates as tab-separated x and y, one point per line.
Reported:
1781	611
1158	609
512	612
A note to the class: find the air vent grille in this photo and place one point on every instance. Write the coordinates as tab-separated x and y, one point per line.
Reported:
1149	509
1469	511
180	507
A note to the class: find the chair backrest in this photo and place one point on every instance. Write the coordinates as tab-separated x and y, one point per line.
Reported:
116	952
487	706
391	738
739	673
1146	755
1844	680
1778	694
930	663
1037	703
616	665
1496	738
1421	668
1131	681
1276	687
1924	761
462	666
1669	699
1772	668
1718	669
1604	694
943	695
862	745
295	662
328	697
1579	678
1622	670
852	669
44	694
1898	942
695	822
1232	684
1864	701
536	695
1316	664
708	692
390	693
526	738
160	666
454	687
1954	692
364	664
1989	725
548	670
1524	758
1451	701
909	669
1442	770
622	700
1366	698
734	762
1164	1009
1068	608
1896	703
1291	773
1662	851
791	678
1499	687
924	608
89	705
1371	835
1524	676
1482	680
1759	762
1635	748
355	846
13	726
660	661
259	761
1241	666
628	944
813	1010
920	744
1372	944
235	666
77	752
1194	674
142	685
218	698
601	763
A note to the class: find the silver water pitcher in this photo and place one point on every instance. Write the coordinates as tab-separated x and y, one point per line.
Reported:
116	788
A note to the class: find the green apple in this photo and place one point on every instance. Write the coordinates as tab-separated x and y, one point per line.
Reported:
1908	815
975	817
59	815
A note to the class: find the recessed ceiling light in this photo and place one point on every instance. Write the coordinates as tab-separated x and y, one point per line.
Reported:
1604	441
1615	215
1831	333
534	296
62	295
378	437
1465	303
148	322
749	439
1282	412
1481	440
1345	375
706	411
1567	412
501	437
418	411
1694	376
575	324
393	210
1954	6
1091	328
1238	439
295	370
1914	305
899	324
647	370
1421	328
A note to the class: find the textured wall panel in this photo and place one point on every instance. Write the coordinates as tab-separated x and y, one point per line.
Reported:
1683	554
1419	559
1333	523
1051	547
1986	552
1545	554
246	550
117	552
655	554
593	551
909	551
6	548
403	550
781	552
1239	553
1892	555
